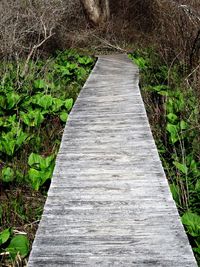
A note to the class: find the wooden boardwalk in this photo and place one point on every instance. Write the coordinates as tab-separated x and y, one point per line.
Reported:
109	203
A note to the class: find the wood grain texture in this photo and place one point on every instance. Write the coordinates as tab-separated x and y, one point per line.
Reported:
109	202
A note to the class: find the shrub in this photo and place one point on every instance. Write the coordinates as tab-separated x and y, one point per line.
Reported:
26	26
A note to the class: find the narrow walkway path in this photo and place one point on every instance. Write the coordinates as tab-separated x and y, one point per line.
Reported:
109	203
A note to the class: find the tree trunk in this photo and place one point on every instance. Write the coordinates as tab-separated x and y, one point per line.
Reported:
98	11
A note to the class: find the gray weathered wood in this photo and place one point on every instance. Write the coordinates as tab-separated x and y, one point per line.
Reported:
109	203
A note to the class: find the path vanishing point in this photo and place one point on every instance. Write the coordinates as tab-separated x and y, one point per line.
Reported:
109	202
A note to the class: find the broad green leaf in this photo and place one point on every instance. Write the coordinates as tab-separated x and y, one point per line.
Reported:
7	145
36	98
160	88
65	70
21	137
193	165
12	141
34	160
25	105
71	66
197	186
172	117
19	244
175	192
35	178
180	103
69	104
39	177
141	62
46	162
183	125
38	117
64	116
192	223
32	118
57	104
194	168
170	105
11	121
85	60
45	101
173	130
8	175
181	167
81	73
45	175
39	84
25	118
40	162
12	99
164	93
4	236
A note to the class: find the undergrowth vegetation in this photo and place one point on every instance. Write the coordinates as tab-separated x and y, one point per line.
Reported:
37	95
172	107
33	111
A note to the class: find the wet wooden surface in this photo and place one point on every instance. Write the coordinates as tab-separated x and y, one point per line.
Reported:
109	203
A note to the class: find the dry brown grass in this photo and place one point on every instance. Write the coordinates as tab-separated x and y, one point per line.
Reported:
45	25
173	25
177	34
31	24
177	29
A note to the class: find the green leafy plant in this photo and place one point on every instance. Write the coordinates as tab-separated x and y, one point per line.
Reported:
192	224
39	84
69	104
32	118
10	142
18	244
173	111
45	101
41	169
14	245
8	100
4	236
33	112
63	116
8	175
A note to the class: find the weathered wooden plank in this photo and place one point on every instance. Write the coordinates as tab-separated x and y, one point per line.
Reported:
109	203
